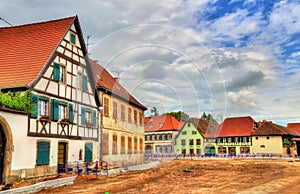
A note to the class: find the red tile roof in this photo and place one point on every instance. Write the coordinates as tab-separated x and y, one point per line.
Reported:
268	128
104	80
162	123
26	49
236	127
294	128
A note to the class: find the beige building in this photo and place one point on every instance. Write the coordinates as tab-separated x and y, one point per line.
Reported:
270	138
122	121
160	133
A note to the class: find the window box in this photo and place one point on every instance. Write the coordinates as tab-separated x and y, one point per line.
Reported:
44	118
65	121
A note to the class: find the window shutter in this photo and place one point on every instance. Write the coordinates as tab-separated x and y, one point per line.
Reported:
85	83
43	153
56	71
88	152
34	102
71	113
54	110
73	38
94	118
82	116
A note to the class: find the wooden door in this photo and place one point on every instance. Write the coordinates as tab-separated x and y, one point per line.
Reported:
62	157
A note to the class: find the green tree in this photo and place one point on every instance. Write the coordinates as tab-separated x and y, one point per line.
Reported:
204	117
154	111
17	100
179	115
208	117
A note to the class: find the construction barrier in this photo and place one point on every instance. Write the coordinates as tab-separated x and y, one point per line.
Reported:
202	156
86	168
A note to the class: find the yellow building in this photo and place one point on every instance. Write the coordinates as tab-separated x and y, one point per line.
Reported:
122	121
270	138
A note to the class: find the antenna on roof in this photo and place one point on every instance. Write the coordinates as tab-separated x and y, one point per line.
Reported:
118	74
87	43
6	22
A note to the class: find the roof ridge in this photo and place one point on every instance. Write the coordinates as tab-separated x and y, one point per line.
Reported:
37	23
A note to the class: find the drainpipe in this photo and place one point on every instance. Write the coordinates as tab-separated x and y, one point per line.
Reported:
101	131
101	134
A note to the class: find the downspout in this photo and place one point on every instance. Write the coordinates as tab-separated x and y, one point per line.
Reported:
101	129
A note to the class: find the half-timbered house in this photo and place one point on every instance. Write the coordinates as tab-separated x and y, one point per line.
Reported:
49	58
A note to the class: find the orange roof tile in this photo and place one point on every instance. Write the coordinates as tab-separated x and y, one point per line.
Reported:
104	80
236	127
26	49
162	123
294	128
268	128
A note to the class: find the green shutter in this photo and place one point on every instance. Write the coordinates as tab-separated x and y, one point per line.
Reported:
88	152
73	39
54	110
34	102
82	116
85	83
56	73
71	113
94	118
43	153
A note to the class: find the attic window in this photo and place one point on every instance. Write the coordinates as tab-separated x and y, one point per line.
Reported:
72	38
160	125
150	125
189	124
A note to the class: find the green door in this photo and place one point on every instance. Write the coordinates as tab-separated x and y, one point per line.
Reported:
88	152
210	150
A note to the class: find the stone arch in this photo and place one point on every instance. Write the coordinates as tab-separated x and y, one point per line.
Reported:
8	149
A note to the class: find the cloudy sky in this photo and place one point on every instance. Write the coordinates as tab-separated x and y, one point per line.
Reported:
230	58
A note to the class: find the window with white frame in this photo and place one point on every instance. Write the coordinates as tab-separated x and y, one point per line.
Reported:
62	110
88	117
79	80
42	107
62	72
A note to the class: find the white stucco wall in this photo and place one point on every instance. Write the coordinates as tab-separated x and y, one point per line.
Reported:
261	144
24	153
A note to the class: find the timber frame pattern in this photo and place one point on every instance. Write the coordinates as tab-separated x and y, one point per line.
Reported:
70	55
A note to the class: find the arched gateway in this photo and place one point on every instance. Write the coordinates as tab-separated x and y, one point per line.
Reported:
5	150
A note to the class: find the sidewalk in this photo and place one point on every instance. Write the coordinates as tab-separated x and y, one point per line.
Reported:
144	166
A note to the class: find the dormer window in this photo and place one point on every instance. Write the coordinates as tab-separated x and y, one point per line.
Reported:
150	125
73	38
160	125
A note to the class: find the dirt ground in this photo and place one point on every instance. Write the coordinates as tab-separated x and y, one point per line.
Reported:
205	176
